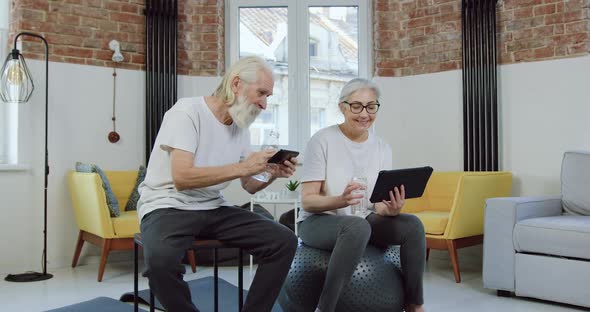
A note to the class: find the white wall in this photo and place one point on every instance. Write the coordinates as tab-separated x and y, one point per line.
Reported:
421	117
544	111
80	108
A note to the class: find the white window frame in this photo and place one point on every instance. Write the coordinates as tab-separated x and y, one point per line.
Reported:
298	31
8	111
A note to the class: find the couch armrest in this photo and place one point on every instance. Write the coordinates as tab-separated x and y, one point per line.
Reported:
89	202
501	215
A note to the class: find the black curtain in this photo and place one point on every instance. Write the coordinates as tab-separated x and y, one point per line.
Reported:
480	101
161	25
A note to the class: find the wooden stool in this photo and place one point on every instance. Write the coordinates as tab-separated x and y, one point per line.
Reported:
197	244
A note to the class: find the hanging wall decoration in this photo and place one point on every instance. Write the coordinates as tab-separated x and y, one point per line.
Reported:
113	136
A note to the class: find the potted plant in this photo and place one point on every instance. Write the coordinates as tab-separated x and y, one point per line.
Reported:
292	187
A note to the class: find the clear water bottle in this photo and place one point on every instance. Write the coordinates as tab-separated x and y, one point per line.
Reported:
360	209
271	142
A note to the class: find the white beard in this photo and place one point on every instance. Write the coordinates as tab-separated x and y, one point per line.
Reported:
243	113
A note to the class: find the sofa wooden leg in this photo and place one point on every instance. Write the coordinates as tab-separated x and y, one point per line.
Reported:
79	245
452	248
106	247
427	253
190	254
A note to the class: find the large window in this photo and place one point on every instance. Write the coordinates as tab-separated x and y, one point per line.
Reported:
314	47
8	111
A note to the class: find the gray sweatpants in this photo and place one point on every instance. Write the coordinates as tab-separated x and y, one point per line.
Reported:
168	233
347	237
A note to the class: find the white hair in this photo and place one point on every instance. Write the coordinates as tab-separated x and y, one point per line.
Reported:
248	69
356	84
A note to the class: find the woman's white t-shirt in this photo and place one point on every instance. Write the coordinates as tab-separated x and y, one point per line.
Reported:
190	126
332	157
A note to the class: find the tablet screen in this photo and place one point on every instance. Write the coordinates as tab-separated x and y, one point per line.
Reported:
413	179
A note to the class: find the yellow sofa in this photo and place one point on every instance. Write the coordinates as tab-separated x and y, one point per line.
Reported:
92	214
452	209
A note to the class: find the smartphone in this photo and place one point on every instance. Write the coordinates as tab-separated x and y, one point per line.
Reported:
282	155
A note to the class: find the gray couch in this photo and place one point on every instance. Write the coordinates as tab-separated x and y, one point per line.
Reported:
540	246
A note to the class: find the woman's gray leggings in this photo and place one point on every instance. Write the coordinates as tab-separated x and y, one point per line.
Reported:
347	237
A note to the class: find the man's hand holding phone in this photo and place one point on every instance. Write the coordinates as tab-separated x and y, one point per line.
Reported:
256	162
282	163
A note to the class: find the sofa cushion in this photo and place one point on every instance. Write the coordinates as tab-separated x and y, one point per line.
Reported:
575	183
112	201
565	236
127	224
435	222
134	197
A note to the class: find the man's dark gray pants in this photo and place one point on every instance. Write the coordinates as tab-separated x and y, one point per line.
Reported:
167	234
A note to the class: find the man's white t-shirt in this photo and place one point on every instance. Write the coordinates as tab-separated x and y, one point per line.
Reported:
190	126
331	157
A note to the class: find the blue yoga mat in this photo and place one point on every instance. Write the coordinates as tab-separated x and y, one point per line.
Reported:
99	304
202	295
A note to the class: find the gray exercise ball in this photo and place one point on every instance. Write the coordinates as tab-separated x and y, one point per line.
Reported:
376	284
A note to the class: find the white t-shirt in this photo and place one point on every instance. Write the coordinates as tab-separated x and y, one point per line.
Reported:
331	157
190	126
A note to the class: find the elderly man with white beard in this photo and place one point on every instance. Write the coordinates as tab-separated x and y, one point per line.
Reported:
202	145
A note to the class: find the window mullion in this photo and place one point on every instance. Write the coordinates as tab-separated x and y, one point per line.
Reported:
302	51
232	36
365	43
293	70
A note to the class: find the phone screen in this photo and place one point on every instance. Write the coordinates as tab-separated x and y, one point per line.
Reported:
282	155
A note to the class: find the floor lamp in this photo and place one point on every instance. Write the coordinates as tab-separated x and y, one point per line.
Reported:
16	86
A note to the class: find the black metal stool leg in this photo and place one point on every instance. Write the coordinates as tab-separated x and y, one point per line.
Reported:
135	278
240	281
215	281
152	302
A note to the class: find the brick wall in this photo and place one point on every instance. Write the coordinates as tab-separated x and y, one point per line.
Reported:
410	36
533	30
78	31
423	36
201	37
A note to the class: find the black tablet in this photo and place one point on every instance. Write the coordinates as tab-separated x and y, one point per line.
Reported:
282	155
413	179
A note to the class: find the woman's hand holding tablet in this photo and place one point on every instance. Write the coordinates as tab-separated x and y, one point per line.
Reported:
413	179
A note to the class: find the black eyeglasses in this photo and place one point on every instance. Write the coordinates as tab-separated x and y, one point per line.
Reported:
357	107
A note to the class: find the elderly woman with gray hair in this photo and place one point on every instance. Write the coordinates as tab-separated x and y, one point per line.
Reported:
328	193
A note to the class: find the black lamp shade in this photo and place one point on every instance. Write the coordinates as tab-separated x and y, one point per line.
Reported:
16	84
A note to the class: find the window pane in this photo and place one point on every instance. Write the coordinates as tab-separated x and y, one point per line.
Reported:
263	32
6	124
318	118
333	31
